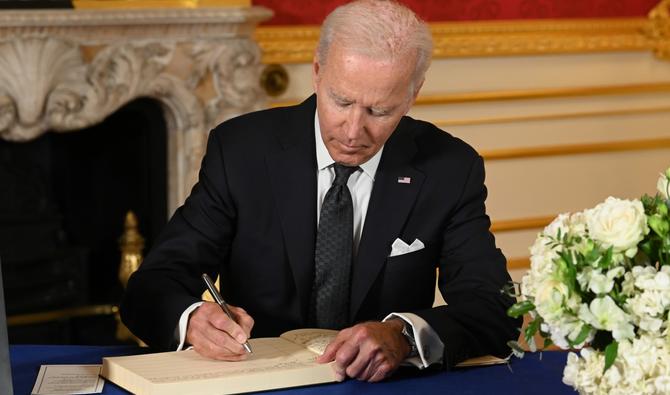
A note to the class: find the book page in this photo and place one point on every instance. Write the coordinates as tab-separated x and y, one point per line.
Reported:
275	363
315	340
270	354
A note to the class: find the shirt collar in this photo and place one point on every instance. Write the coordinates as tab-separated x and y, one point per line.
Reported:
324	160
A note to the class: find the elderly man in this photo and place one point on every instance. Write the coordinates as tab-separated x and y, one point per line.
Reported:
336	213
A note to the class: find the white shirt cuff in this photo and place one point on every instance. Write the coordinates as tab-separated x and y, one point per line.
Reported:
183	323
428	343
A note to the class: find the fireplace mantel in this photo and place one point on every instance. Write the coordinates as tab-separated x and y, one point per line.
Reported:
64	70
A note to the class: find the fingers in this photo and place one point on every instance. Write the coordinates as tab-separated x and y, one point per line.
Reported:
369	355
332	348
369	351
213	334
243	319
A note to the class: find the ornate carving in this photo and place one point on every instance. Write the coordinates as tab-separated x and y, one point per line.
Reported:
47	86
31	71
60	71
235	67
659	29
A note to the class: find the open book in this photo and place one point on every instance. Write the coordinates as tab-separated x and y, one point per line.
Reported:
277	362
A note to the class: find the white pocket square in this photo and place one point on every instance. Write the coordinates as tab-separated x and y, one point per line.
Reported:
399	247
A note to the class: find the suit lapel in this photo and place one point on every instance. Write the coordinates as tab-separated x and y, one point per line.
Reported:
397	184
292	172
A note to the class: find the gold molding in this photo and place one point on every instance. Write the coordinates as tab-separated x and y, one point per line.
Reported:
575	149
527	94
287	44
542	93
658	29
518	263
34	318
521	224
135	4
547	117
296	44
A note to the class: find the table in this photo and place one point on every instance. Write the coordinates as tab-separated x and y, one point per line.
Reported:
534	374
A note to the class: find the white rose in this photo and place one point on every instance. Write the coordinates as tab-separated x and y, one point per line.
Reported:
618	223
662	186
550	298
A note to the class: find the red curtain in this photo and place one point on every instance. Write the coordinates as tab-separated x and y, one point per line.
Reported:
310	12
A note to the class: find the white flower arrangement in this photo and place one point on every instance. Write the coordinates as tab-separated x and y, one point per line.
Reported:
599	280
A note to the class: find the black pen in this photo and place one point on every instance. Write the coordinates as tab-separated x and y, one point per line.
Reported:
218	299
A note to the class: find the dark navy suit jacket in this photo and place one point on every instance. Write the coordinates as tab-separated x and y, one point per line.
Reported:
252	219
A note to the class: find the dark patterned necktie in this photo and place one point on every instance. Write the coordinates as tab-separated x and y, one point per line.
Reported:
333	254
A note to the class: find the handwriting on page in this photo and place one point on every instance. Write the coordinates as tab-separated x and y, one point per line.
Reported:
270	354
315	340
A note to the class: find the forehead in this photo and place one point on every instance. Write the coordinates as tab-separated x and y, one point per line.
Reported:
351	74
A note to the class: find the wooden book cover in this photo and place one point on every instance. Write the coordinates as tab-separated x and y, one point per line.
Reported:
279	362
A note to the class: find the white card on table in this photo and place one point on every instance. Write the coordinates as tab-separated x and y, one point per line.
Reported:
68	380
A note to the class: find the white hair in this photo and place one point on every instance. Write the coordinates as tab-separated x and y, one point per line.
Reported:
380	29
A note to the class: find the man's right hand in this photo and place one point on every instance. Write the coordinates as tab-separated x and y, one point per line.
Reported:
214	335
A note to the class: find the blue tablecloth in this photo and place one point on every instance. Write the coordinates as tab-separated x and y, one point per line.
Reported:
534	374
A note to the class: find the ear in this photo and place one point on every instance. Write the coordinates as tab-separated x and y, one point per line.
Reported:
316	67
417	88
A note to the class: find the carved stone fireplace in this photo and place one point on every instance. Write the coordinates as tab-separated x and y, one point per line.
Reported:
67	70
64	70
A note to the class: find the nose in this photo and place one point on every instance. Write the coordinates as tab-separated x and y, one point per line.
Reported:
355	123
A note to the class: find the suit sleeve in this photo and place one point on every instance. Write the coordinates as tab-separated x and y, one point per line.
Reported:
472	273
196	240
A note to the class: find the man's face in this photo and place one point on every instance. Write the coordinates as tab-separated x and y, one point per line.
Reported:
360	102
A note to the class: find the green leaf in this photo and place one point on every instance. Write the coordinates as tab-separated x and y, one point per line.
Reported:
659	225
521	308
606	261
662	208
583	334
610	354
570	278
593	256
547	342
532	328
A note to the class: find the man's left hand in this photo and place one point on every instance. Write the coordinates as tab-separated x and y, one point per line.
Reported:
370	351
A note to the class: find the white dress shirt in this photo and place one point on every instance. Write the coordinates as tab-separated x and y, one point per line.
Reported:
360	183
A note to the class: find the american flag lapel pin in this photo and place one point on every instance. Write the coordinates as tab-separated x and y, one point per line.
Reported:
404	180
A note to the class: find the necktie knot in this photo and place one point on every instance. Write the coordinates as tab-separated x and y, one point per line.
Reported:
342	173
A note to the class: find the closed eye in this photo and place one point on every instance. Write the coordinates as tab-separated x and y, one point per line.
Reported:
377	112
